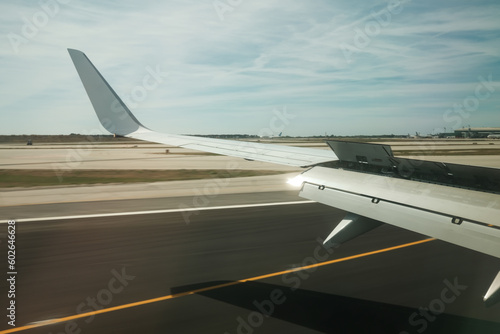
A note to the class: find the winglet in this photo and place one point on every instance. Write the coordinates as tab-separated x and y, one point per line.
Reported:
110	109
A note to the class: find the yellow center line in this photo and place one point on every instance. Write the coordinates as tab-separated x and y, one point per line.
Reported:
177	295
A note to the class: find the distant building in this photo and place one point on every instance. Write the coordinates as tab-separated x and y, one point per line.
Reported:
476	132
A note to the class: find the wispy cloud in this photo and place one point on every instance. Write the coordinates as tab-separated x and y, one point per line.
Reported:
227	76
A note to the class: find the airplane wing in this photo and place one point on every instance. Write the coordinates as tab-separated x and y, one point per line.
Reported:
455	203
117	119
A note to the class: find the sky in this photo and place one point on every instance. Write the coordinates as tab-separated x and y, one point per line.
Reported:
302	68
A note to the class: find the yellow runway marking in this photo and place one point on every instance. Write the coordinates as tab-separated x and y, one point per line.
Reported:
159	299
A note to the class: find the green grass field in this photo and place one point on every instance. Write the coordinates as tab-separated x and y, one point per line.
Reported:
40	177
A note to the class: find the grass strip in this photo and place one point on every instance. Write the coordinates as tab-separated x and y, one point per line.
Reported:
47	177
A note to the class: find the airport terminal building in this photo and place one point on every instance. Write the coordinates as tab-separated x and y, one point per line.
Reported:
477	132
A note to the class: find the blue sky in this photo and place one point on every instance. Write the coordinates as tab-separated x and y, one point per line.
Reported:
229	66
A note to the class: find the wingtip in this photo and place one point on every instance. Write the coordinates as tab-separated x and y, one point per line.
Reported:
113	114
70	50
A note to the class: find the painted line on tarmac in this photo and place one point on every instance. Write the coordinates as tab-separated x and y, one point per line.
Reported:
163	298
134	213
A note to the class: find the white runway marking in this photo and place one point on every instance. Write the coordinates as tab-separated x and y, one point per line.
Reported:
132	213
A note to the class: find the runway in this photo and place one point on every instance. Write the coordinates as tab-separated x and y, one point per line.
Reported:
231	270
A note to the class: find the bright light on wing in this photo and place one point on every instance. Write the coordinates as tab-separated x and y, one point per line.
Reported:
296	181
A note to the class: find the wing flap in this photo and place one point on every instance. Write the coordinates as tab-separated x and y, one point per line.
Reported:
460	216
454	202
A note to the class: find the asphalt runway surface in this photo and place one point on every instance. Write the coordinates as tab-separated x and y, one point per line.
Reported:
235	270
